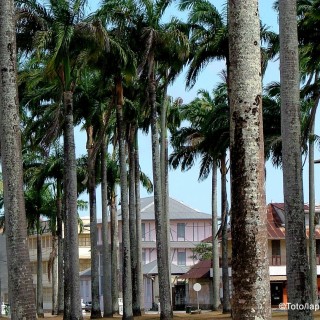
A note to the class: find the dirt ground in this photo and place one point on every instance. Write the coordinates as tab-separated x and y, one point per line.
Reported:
204	315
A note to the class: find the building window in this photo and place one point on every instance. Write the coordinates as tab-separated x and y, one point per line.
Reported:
144	256
32	243
84	240
181	230
276	252
46	242
143	231
182	258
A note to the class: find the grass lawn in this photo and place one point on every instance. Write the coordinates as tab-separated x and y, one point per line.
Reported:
204	315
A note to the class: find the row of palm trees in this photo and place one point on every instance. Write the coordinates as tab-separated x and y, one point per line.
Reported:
110	72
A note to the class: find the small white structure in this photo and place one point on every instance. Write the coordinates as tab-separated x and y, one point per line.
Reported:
120	302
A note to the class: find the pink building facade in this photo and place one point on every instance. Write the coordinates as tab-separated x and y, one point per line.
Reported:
188	227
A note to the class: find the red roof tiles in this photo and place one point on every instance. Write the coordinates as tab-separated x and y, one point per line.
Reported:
275	224
199	270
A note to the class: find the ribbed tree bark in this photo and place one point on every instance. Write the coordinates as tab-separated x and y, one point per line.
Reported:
215	242
66	265
114	254
40	313
72	279
161	235
312	238
250	269
165	174
298	280
106	254
95	296
126	254
60	249
21	294
138	224
226	307
133	223
54	273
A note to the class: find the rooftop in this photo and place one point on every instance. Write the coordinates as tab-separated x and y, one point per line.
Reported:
199	270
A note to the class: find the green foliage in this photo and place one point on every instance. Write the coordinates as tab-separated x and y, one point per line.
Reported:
202	251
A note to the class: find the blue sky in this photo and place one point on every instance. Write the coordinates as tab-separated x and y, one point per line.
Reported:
184	186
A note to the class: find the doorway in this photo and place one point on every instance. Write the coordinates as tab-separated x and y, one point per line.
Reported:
276	289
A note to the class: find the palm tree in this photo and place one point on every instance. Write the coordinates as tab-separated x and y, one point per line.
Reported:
106	252
250	272
21	301
39	203
208	117
127	278
62	34
156	40
209	36
91	108
309	62
112	172
296	252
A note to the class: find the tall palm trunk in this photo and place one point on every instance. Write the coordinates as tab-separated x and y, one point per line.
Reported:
133	223
161	235
215	242
95	297
22	301
126	254
60	249
298	281
138	224
72	280
165	173
54	273
39	271
114	254
226	307
312	238
66	266
250	269
106	256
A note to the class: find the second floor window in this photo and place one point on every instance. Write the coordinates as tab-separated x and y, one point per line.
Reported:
144	256
182	258
84	240
181	230
276	253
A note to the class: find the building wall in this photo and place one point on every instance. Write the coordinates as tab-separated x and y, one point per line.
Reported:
204	295
195	231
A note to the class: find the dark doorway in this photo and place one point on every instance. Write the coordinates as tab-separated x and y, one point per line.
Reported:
179	296
276	289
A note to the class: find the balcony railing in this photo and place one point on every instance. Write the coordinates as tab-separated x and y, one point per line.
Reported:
276	260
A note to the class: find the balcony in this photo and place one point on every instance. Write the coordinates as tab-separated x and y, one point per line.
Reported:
276	260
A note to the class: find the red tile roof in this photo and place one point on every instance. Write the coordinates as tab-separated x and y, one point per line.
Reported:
199	270
275	226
